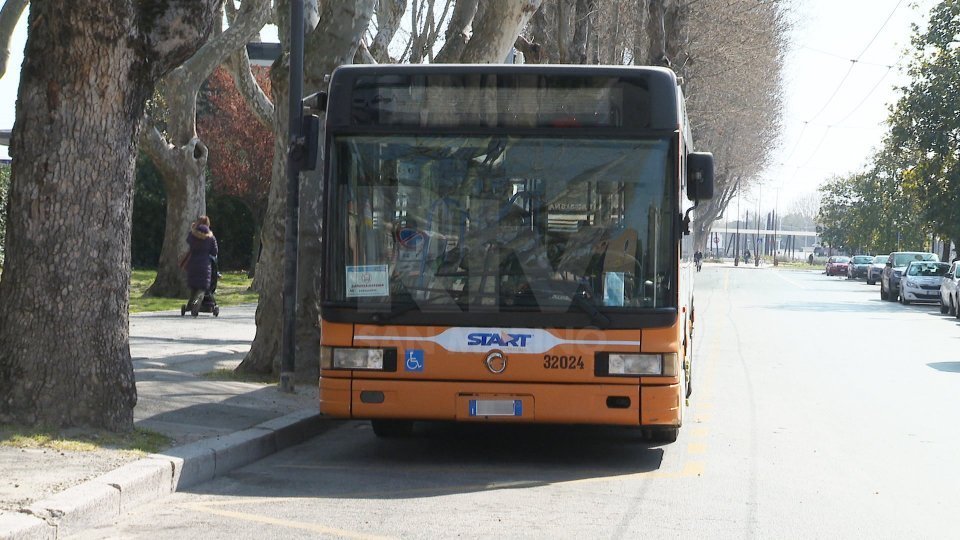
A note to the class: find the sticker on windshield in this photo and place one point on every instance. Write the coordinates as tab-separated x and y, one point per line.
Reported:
613	288
369	280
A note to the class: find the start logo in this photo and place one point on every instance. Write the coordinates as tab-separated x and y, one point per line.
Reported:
498	339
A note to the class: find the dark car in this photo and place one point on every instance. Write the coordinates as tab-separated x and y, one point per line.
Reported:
837	266
859	265
893	271
876	269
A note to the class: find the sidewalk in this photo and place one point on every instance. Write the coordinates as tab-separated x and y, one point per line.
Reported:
214	426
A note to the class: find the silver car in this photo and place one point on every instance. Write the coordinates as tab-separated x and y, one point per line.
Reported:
875	270
949	299
921	281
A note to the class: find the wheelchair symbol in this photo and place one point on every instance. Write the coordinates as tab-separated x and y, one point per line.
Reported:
414	360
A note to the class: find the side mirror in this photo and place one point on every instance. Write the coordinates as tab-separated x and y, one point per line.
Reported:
311	135
700	184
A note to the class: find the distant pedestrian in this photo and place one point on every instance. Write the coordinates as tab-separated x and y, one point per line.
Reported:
199	265
810	259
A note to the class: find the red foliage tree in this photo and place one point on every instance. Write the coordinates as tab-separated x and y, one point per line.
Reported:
241	148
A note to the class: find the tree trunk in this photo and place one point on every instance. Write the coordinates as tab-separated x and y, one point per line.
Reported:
496	31
458	31
64	341
264	354
333	42
389	13
183	171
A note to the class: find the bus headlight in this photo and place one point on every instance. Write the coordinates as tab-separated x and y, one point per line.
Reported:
369	359
637	365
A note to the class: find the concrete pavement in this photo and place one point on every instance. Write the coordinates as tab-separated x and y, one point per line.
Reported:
214	425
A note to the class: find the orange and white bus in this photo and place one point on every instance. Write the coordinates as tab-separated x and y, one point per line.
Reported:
507	244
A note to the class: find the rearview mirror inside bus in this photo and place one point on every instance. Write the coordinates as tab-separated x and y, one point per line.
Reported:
699	176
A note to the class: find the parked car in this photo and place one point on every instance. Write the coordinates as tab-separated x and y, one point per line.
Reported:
837	266
876	269
921	281
859	264
897	263
949	299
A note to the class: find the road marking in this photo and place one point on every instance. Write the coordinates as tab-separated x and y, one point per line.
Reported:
255	518
696	448
790	281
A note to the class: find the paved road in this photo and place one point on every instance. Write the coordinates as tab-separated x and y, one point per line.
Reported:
819	411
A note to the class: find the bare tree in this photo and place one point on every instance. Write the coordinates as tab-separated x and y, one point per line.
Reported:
731	59
64	341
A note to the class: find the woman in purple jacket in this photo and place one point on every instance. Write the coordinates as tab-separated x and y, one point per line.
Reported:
203	247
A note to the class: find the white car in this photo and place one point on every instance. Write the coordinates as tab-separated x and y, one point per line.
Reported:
949	293
921	281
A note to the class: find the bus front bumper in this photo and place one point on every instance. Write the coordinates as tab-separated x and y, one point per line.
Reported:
618	404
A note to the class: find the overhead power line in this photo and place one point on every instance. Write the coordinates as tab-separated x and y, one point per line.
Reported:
853	63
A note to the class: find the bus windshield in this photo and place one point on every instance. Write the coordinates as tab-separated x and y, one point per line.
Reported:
490	223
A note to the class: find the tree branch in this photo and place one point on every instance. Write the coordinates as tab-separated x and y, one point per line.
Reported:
173	30
253	15
458	31
240	71
10	14
388	21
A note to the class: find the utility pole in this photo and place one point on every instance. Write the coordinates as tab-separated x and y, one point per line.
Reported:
756	240
295	153
775	243
736	242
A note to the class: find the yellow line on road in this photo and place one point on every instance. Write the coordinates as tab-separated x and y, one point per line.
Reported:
255	518
696	448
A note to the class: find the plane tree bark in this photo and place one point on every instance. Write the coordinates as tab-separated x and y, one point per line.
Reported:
64	333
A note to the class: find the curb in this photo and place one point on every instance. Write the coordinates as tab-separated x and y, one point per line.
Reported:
157	475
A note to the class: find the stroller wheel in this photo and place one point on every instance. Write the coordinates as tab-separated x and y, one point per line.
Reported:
183	310
216	311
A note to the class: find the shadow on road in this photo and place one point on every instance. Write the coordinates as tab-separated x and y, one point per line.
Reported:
951	367
444	459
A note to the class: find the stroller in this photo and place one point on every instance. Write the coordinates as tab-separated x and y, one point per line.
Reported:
208	304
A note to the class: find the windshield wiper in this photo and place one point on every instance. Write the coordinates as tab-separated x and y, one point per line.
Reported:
596	317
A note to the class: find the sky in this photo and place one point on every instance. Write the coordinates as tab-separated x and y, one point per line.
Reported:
835	109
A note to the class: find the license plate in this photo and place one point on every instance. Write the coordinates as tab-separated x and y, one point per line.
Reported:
496	407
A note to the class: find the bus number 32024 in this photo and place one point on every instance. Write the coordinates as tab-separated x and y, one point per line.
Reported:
562	362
